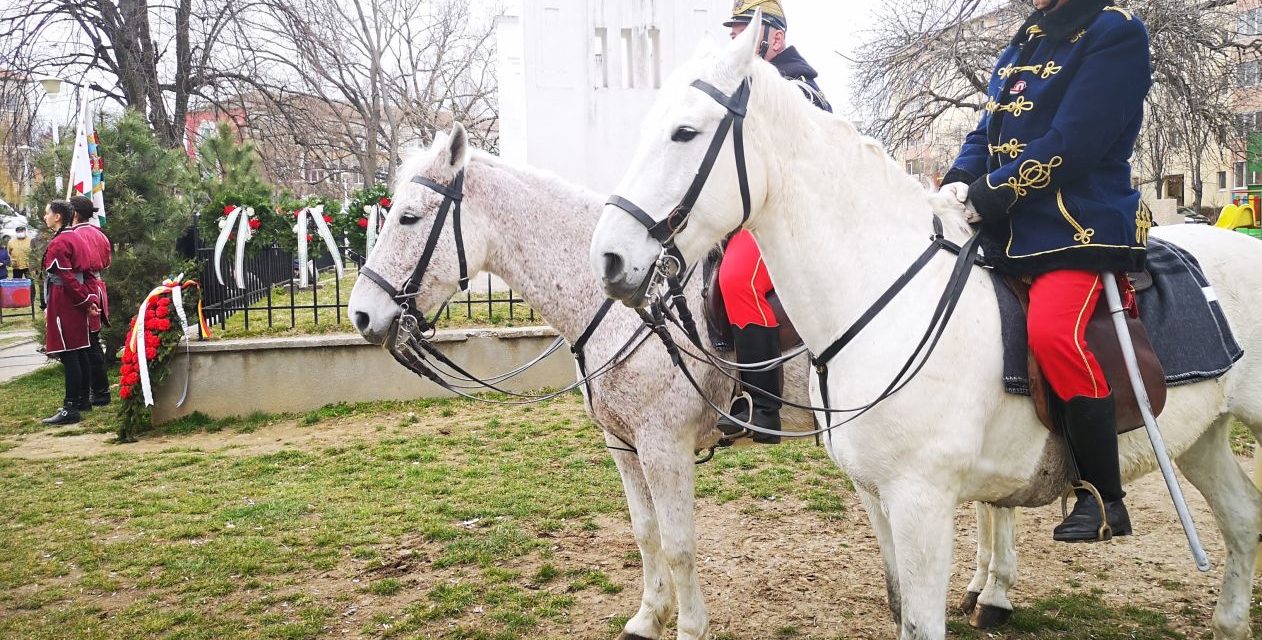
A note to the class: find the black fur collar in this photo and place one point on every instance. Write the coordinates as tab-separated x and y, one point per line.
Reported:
1064	23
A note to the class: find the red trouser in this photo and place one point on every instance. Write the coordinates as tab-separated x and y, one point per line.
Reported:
1061	304
745	283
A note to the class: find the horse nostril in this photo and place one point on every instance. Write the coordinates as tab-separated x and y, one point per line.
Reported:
613	266
362	321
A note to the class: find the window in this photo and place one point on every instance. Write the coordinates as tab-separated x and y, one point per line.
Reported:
1244	177
655	57
1248	74
1249	23
1222	180
600	45
1174	186
628	60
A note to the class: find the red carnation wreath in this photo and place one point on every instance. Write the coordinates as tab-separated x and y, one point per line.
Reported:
161	338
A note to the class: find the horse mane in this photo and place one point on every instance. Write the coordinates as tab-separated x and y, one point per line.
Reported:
554	186
785	103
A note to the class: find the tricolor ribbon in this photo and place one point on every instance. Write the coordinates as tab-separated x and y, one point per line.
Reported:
136	341
316	214
241	216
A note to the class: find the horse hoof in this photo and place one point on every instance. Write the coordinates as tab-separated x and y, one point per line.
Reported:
631	636
988	617
969	602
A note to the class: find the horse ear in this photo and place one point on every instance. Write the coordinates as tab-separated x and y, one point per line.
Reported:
458	146
744	48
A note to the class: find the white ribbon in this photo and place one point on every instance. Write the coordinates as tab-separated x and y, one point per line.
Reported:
175	287
373	211
322	228
301	230
242	219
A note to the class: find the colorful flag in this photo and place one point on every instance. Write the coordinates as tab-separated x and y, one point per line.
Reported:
87	175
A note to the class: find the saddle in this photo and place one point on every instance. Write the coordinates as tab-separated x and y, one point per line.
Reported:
718	327
1102	339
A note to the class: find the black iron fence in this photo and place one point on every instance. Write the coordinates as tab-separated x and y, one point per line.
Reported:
273	302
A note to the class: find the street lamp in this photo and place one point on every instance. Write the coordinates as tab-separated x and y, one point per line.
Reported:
52	86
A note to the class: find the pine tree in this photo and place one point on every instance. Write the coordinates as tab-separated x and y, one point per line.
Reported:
230	176
147	213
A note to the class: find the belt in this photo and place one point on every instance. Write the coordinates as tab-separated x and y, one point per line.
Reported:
56	282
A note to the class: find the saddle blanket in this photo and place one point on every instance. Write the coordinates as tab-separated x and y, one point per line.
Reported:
1180	310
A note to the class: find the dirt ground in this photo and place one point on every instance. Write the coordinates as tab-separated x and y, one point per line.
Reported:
765	566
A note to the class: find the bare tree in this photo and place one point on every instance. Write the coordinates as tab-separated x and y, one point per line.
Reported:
353	82
153	57
927	65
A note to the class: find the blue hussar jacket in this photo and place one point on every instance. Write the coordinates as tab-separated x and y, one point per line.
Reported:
1048	167
794	68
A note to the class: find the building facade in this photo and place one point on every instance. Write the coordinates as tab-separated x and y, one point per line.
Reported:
576	77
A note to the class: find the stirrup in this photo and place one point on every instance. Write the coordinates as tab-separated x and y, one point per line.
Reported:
1106	532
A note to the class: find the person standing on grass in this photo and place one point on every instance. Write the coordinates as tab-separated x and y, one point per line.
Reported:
20	253
4	261
95	390
69	302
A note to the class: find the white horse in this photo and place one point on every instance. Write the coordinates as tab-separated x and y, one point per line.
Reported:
838	220
531	227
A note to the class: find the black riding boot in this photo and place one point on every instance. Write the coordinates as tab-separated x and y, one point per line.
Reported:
1091	429
757	344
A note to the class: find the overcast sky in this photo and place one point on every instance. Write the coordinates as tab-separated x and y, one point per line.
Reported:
820	27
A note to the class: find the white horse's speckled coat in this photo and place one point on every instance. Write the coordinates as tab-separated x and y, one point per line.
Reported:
532	228
838	220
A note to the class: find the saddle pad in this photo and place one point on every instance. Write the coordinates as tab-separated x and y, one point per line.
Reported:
1180	310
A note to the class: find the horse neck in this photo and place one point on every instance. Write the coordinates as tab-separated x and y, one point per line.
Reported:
540	228
839	225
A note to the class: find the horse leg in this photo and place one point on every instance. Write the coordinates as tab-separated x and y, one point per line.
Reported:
657	604
981	572
1237	505
922	520
885	540
994	609
669	469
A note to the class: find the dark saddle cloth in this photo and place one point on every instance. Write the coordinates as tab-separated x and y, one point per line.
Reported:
718	328
1181	336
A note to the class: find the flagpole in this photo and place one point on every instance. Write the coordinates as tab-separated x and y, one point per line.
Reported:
80	139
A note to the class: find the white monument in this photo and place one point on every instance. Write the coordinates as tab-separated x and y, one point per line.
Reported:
576	77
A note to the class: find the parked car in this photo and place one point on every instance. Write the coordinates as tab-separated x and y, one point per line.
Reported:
10	223
1191	216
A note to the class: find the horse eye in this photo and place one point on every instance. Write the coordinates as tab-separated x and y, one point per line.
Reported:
407	219
684	134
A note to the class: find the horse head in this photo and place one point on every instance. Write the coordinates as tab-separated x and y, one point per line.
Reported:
694	123
426	251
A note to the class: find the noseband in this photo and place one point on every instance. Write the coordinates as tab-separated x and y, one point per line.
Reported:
664	231
452	195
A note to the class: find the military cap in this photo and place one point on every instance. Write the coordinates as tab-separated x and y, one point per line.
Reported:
772	13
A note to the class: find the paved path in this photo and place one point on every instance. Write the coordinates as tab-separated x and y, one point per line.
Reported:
22	358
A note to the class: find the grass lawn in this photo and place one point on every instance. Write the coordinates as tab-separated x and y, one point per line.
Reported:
484	503
304	320
15	319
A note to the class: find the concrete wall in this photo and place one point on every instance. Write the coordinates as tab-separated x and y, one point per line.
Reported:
273	375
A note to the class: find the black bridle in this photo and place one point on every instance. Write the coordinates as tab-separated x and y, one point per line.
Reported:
453	195
664	231
658	315
409	339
